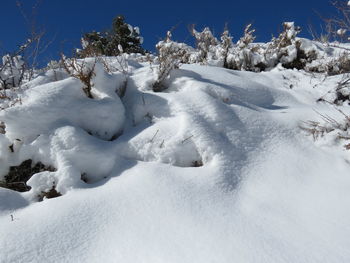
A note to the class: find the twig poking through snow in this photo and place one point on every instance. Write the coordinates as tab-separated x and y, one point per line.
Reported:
186	139
154	136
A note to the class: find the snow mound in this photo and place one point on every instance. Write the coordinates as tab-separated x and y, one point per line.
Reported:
46	107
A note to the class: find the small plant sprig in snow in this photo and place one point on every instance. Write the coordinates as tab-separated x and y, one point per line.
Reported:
329	125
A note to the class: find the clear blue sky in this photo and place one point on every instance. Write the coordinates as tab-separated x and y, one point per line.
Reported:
66	20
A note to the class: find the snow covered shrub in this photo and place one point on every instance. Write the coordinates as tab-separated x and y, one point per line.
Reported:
107	43
343	91
9	99
225	46
283	49
18	66
338	131
80	69
246	55
247	38
117	64
170	55
334	63
339	26
57	69
93	44
339	65
12	71
339	94
306	54
125	35
316	129
336	56
331	61
205	41
287	49
245	51
290	51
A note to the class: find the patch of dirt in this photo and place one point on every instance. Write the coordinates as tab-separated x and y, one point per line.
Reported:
18	176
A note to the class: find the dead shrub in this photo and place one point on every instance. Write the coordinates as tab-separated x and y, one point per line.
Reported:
52	193
318	130
82	70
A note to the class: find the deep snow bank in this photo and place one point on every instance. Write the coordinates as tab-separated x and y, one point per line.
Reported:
263	191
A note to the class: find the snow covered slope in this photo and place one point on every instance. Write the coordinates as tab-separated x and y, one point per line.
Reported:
213	169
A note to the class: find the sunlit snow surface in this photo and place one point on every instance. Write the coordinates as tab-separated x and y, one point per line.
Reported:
266	191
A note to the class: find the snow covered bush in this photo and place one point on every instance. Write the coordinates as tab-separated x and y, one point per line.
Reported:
247	38
93	44
125	35
338	26
335	58
335	129
97	71
170	55
331	60
339	65
245	55
12	71
19	66
225	45
285	49
56	67
107	43
205	42
339	94
117	64
81	69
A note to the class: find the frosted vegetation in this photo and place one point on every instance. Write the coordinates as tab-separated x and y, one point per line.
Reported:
229	151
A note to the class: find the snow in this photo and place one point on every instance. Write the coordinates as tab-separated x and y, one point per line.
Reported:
341	32
266	191
49	106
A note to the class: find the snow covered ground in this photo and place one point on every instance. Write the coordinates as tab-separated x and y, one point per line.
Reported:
213	169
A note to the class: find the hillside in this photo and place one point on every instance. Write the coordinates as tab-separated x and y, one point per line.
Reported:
215	168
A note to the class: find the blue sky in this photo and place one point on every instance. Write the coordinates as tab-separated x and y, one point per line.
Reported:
65	21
